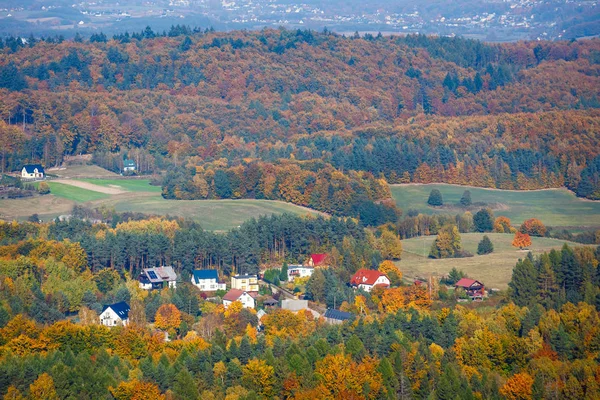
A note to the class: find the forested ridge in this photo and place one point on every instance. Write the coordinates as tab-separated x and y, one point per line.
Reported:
254	108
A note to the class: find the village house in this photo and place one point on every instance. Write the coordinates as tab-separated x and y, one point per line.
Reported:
158	278
367	279
207	280
32	171
474	289
336	316
248	299
115	314
318	260
299	271
128	165
248	283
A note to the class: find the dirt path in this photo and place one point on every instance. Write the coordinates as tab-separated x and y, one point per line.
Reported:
90	186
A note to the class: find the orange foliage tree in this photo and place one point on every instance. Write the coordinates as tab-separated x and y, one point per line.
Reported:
521	240
502	225
137	390
518	387
533	227
167	317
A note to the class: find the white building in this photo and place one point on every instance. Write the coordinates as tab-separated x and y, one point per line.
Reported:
247	299
299	271
367	279
32	171
115	314
207	280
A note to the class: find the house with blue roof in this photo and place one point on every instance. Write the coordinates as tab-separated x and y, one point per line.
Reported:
32	171
115	314
207	280
336	316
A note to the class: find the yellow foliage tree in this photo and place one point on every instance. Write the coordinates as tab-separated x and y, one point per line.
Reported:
392	300
257	375
137	390
43	388
167	317
392	272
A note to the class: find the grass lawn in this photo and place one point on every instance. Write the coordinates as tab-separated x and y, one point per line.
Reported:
73	193
494	270
554	207
214	215
131	185
81	171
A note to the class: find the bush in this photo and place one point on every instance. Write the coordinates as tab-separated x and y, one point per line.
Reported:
485	246
43	188
435	198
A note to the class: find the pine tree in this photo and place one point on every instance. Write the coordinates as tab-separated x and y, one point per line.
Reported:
484	220
184	386
485	246
523	285
283	275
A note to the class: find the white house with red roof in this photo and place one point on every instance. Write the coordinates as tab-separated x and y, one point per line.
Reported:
367	279
248	299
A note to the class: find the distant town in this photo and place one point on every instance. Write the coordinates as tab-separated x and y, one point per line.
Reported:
488	20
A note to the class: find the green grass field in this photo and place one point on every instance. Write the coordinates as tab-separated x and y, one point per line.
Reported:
76	194
554	207
494	270
214	215
131	185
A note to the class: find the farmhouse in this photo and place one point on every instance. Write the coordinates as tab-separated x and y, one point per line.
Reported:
246	298
157	278
336	316
248	283
318	260
299	271
207	280
474	288
32	171
367	279
128	165
115	314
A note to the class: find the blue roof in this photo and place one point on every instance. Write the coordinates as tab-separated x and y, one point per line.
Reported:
31	167
121	309
201	274
337	314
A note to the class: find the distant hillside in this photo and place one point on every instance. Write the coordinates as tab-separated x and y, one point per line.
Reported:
407	109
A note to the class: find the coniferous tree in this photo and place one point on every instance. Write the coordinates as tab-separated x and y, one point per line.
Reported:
523	285
465	200
485	246
484	220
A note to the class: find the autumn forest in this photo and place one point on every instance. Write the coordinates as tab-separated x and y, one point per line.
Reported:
323	121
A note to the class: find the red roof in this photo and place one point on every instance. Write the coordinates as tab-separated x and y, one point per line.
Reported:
318	259
235	294
366	277
467	283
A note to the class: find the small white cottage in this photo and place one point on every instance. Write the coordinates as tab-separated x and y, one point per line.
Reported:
115	314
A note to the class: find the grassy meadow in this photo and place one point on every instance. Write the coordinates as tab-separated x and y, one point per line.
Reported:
130	185
75	194
494	270
554	207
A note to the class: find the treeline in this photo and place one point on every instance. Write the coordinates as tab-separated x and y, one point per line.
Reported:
555	278
135	244
311	184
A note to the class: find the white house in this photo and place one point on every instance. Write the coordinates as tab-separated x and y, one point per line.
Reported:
32	171
246	298
128	165
207	280
158	278
299	271
367	279
248	283
115	314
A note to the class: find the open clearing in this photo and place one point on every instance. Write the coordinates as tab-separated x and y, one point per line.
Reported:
81	171
89	186
494	270
554	207
137	195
